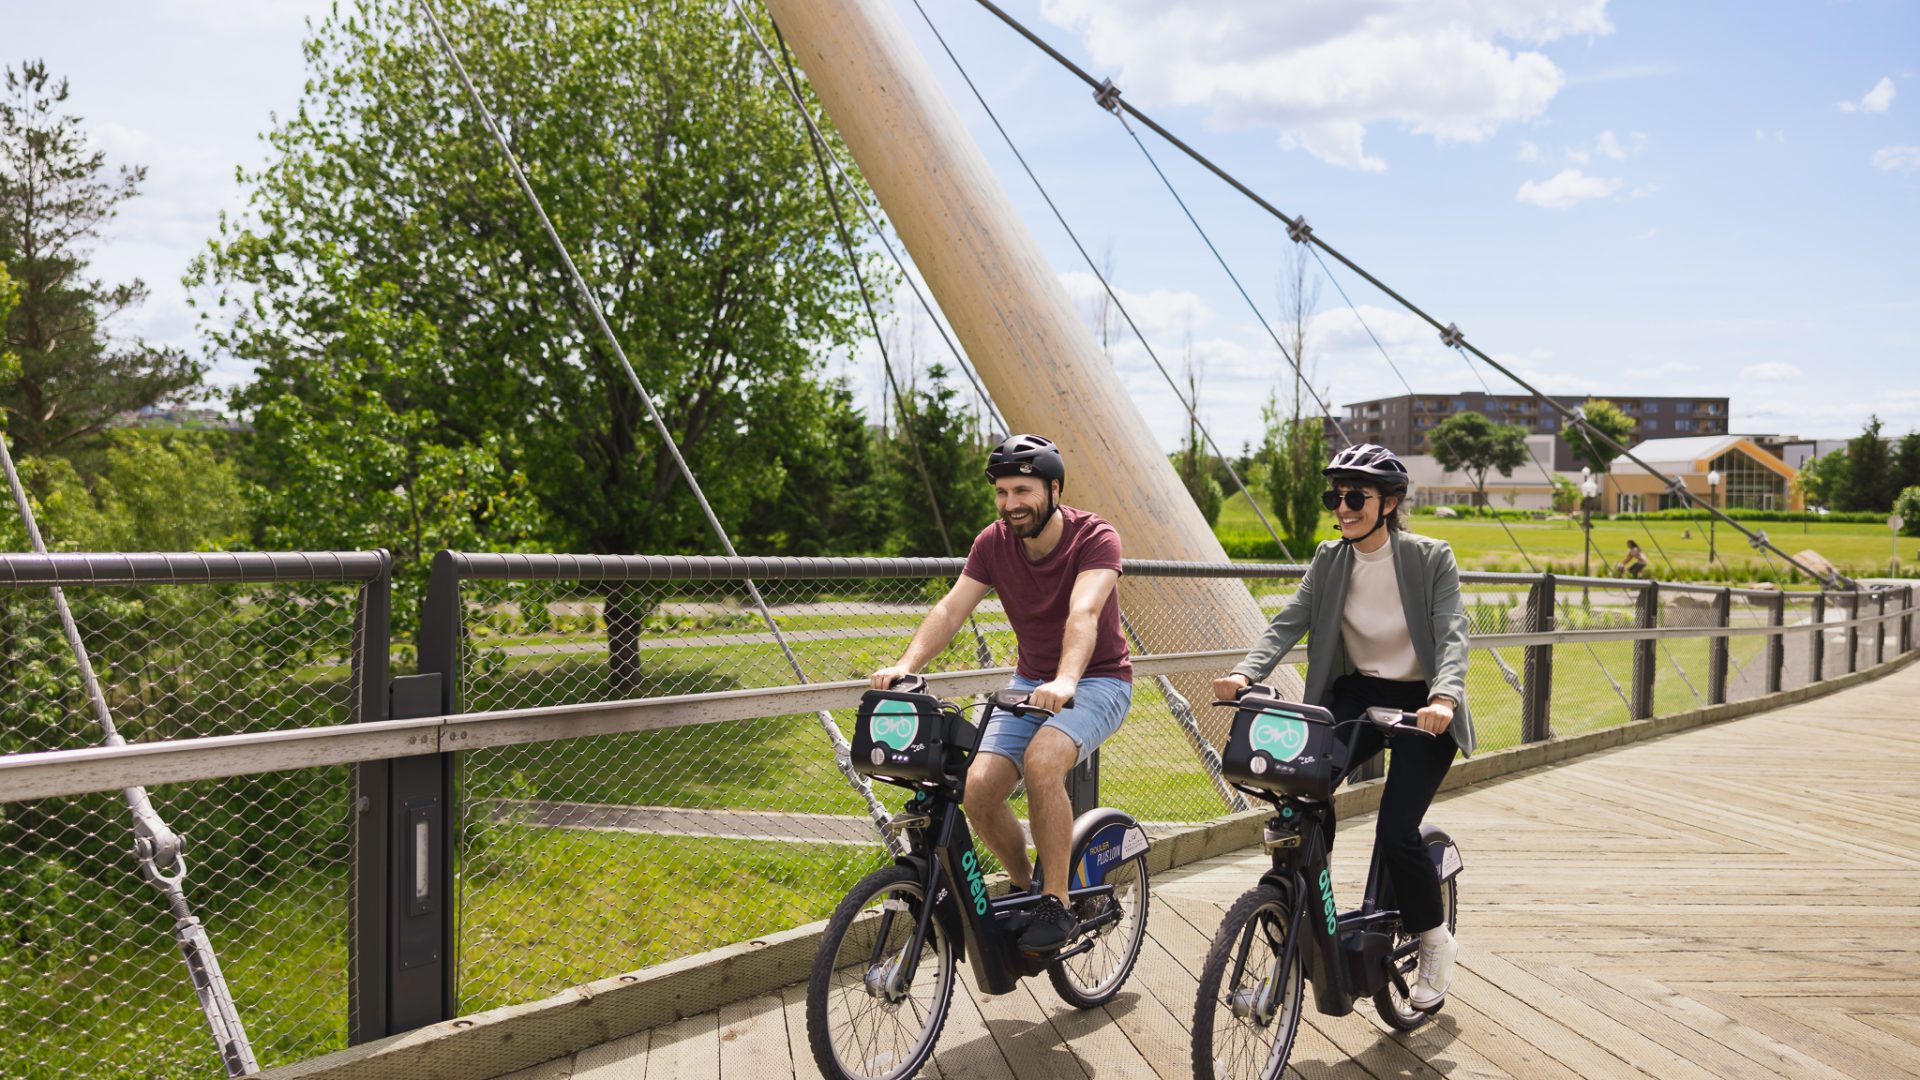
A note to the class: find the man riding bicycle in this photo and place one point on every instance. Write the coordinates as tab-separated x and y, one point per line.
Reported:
1054	568
1387	629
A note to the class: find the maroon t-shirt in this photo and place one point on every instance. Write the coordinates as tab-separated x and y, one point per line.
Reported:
1038	595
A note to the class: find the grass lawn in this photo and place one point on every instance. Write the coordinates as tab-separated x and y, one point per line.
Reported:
1481	544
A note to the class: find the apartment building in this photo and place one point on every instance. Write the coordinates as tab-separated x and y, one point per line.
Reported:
1401	423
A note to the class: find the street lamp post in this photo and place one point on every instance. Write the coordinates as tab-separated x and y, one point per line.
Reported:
1713	499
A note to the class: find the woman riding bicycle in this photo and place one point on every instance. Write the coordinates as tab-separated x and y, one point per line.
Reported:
1387	629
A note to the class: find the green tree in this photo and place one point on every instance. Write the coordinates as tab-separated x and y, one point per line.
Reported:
936	431
1603	416
1907	505
1870	483
1821	479
1469	441
1566	495
1906	460
1286	470
70	378
826	501
671	163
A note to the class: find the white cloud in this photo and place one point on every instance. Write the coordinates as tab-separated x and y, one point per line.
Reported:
1644	190
1897	159
1528	152
1579	155
1648	235
1762	135
1770	372
227	15
1876	100
1568	187
1608	145
1320	73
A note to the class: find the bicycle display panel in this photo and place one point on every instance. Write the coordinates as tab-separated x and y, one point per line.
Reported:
910	738
1283	747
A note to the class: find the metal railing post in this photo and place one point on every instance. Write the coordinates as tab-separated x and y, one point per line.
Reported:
368	885
1817	662
1717	649
1880	627
1853	631
1643	652
1776	643
420	978
1536	719
1906	619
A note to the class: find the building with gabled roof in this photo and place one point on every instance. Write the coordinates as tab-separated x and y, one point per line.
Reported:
1750	477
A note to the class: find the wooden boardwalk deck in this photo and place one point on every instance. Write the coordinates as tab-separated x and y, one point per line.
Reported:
1737	901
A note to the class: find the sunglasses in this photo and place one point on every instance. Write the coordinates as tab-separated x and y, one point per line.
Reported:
1354	499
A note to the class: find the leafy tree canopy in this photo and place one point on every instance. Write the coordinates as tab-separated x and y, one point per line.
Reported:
1469	441
409	321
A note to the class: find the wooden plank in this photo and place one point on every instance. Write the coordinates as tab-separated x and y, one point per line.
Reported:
1851	1059
552	1070
621	1059
753	1039
686	1049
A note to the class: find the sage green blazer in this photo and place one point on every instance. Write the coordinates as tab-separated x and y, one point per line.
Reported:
1436	620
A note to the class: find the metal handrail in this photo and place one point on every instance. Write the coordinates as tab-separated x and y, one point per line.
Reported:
73	772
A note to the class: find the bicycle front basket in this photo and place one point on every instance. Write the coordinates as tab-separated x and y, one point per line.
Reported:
910	738
1282	747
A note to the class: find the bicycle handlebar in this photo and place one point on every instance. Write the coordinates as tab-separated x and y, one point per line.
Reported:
1015	702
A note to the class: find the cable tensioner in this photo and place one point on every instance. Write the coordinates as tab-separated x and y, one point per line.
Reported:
1453	337
1299	231
1107	96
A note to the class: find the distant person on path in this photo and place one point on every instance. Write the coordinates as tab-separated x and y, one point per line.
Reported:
1635	564
1388	628
1054	568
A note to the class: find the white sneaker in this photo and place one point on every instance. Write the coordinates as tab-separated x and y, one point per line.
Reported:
1435	977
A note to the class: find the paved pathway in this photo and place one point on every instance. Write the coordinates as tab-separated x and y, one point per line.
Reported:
1737	901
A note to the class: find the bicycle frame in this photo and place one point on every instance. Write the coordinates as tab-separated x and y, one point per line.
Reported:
1345	949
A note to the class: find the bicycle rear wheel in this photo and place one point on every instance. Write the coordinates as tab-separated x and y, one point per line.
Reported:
1090	979
1393	1006
863	1022
1248	1010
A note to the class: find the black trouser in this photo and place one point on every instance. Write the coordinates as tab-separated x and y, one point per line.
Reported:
1414	773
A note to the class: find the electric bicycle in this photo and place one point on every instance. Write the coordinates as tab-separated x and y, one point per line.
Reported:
1288	930
882	983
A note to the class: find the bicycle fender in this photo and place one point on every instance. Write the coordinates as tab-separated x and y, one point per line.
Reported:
946	904
1444	852
1102	839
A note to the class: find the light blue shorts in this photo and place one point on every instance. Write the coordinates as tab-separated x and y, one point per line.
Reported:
1099	705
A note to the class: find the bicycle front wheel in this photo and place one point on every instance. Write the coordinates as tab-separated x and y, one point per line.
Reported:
1248	1010
865	1019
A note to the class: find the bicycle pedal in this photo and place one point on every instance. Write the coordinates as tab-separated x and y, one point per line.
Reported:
1074	948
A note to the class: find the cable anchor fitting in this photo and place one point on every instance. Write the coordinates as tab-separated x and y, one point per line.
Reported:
1299	231
1107	96
1758	539
1453	337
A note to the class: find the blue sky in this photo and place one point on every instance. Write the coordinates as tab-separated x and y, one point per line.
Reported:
1690	198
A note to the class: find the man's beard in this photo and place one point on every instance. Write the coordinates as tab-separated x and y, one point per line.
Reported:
1038	526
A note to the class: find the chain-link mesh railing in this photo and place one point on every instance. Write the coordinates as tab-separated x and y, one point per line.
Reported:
92	981
582	857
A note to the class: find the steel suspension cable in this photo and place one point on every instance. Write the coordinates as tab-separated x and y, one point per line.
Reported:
1325	409
818	143
1450	333
842	749
1357	317
159	849
1193	416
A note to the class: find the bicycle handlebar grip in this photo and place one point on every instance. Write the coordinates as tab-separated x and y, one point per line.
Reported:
911	683
1015	702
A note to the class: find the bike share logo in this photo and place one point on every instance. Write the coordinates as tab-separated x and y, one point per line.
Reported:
1326	898
893	723
975	883
1281	738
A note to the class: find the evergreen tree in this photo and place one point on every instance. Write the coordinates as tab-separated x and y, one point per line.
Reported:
56	195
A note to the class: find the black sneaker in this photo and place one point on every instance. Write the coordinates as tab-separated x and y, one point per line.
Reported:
1052	926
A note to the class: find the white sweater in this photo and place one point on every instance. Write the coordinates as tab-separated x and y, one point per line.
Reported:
1373	625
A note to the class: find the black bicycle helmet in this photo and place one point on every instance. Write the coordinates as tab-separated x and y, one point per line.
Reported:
1366	461
1027	455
